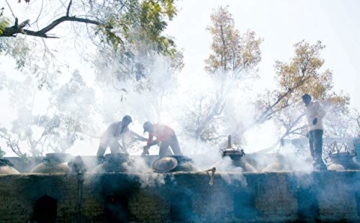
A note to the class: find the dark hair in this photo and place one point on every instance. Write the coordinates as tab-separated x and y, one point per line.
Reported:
306	96
127	118
147	126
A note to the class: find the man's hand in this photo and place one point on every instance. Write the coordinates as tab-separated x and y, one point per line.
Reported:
315	121
145	151
100	159
142	139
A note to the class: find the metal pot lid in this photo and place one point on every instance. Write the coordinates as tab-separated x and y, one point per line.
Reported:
165	164
5	162
181	158
59	157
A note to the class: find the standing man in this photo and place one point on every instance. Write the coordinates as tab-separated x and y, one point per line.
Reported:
314	115
113	134
164	135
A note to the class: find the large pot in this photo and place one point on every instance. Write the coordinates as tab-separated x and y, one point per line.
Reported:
357	148
6	167
173	164
344	158
234	154
237	157
114	163
53	163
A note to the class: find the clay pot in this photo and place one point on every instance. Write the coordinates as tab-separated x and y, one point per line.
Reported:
53	163
173	164
114	163
344	159
6	167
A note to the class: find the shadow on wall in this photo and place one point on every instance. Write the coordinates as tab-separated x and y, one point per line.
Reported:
181	208
357	197
114	191
244	205
308	205
116	208
45	210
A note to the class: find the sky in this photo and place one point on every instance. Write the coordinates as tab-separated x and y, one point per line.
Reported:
280	23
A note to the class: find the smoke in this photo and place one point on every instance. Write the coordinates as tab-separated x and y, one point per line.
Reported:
230	173
286	159
147	177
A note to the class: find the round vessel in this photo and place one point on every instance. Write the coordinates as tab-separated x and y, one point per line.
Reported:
113	163
173	164
6	167
53	163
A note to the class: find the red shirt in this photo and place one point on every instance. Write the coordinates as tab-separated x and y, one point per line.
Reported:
161	132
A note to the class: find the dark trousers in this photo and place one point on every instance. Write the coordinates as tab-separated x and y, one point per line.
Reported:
171	142
114	147
316	144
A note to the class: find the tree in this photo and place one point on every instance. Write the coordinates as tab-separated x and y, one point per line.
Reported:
128	36
3	22
138	70
233	60
232	52
66	119
113	24
149	14
203	116
301	75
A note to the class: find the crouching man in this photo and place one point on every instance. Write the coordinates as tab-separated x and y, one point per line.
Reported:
115	132
165	136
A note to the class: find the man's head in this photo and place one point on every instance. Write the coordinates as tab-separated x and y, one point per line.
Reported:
126	120
306	99
148	126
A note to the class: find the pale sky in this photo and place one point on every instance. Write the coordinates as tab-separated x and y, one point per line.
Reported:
281	24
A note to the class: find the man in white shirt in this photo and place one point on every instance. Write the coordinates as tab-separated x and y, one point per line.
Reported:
113	134
314	115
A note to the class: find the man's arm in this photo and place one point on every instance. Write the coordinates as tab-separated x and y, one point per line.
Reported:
137	136
150	142
319	112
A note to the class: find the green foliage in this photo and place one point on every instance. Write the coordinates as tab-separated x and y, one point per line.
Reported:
17	48
142	20
3	24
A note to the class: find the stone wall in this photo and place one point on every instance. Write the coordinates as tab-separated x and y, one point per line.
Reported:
273	197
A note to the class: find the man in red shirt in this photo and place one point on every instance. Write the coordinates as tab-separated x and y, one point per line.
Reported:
164	135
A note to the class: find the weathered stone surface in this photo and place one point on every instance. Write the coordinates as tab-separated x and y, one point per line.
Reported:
270	197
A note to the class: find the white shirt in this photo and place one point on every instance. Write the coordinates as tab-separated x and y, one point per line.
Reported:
314	110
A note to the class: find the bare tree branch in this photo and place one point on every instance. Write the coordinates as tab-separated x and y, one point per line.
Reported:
12	31
16	29
68	8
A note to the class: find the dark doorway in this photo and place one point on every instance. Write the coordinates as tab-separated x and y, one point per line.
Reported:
308	206
244	205
181	208
357	198
116	207
45	210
